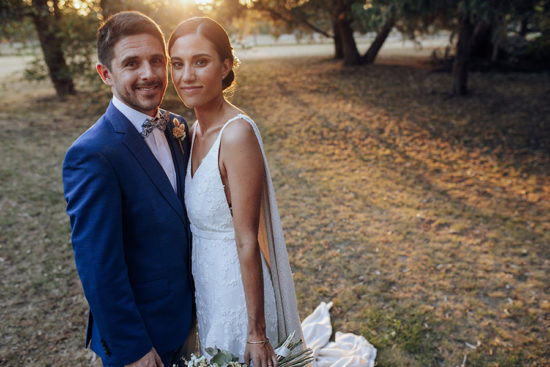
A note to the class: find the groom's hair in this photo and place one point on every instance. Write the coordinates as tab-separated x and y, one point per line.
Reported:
120	25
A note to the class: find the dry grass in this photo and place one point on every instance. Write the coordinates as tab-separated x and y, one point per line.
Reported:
426	219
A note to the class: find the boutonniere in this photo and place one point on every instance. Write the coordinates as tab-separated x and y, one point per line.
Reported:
179	132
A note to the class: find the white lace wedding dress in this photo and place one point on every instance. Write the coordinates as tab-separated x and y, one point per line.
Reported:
221	307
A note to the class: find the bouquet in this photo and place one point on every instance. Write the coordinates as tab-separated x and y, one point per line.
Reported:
285	352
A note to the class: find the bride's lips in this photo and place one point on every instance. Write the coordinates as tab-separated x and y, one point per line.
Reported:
190	88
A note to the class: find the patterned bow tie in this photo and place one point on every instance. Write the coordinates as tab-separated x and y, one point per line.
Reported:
159	122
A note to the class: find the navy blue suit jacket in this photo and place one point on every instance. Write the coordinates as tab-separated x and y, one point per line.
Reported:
131	239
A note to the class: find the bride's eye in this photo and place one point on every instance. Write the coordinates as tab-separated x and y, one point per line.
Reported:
202	61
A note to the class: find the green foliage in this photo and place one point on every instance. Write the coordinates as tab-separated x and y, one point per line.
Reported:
312	15
367	19
11	10
77	32
537	52
36	70
221	357
14	27
79	42
20	34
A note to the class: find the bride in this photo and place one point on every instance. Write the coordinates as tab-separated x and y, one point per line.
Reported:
243	283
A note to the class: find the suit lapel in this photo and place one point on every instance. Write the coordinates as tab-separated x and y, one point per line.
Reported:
180	160
178	157
137	146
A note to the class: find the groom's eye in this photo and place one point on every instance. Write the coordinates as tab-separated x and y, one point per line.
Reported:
131	63
158	60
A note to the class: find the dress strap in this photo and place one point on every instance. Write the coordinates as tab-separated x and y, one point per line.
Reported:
194	127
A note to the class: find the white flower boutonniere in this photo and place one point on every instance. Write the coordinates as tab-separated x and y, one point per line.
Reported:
179	132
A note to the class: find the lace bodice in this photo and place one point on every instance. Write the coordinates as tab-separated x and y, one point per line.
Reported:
206	203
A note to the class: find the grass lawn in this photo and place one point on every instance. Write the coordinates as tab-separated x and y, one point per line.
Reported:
424	218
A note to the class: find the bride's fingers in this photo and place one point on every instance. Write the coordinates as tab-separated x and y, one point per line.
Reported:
269	358
260	359
256	362
260	356
253	359
274	362
274	358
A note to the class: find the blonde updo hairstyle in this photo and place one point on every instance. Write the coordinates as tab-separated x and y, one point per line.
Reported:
212	31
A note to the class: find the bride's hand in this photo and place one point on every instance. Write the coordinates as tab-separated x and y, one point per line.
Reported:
260	355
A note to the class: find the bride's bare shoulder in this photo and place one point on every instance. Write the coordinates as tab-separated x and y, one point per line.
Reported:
239	131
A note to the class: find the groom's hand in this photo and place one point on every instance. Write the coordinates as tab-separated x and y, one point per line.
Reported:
151	359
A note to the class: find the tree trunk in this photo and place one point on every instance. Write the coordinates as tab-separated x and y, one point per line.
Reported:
46	27
349	47
378	42
462	58
338	48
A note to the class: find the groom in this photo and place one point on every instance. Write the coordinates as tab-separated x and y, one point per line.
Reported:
124	186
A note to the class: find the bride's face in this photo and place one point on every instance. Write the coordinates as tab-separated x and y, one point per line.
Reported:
197	70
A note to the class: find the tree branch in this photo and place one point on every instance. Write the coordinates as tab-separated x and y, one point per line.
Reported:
290	18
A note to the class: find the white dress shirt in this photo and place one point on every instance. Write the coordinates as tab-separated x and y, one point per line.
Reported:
155	141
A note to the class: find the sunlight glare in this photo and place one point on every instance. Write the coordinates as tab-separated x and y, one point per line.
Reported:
202	4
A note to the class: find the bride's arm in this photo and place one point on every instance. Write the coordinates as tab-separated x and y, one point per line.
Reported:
242	167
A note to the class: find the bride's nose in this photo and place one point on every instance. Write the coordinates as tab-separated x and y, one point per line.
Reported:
188	73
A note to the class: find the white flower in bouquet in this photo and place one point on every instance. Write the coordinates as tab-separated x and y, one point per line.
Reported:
195	361
287	356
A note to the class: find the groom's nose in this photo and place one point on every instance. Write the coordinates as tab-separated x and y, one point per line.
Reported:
146	71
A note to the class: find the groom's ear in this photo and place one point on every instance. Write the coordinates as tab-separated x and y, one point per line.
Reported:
104	73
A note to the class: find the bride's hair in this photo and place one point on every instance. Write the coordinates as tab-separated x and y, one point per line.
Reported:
214	32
